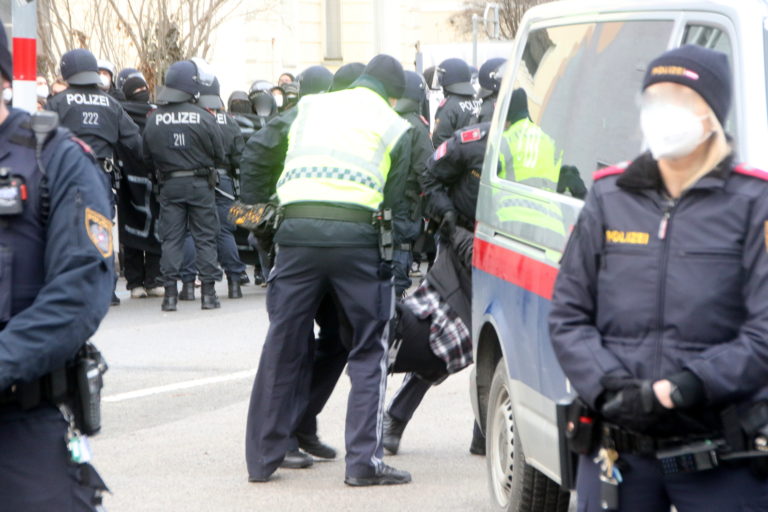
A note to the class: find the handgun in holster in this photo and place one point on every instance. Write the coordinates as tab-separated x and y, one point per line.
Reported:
386	235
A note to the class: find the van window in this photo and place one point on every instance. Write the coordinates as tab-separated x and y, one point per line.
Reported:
714	39
581	87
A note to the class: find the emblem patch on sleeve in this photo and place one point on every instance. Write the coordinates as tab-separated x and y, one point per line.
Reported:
442	149
99	230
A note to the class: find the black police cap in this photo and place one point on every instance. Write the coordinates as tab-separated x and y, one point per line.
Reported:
389	72
314	80
79	67
6	63
346	75
456	77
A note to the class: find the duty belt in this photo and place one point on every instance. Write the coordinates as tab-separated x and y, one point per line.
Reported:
51	387
624	441
327	212
202	173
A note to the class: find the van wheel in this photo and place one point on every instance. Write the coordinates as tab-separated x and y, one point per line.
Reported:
515	486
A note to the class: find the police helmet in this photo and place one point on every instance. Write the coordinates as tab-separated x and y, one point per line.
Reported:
314	80
346	75
183	81
291	94
79	67
456	77
260	86
415	93
106	66
127	73
431	76
388	72
490	74
239	102
518	106
210	96
6	63
263	104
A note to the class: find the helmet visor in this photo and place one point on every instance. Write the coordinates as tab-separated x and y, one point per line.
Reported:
204	74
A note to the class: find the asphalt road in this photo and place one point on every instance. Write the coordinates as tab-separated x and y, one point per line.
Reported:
175	403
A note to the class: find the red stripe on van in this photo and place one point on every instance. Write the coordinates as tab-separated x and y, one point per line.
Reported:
530	274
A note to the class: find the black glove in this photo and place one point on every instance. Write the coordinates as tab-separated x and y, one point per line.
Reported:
630	403
687	389
448	224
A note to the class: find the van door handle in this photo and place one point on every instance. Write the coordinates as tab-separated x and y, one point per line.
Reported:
515	241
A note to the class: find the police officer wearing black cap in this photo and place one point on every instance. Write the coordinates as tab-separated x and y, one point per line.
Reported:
490	81
408	229
459	108
184	145
346	159
56	279
229	258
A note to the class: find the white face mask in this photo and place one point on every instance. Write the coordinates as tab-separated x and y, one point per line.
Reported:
42	91
105	82
671	131
7	95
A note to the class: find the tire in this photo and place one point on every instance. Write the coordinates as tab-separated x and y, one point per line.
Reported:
514	485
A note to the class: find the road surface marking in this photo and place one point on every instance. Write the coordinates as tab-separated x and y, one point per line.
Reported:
141	393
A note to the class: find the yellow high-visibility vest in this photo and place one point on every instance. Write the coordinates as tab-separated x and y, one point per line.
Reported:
528	155
339	149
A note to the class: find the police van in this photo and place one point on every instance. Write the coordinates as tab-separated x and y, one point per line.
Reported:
581	64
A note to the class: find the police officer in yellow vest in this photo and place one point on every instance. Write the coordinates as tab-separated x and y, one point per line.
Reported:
347	159
528	155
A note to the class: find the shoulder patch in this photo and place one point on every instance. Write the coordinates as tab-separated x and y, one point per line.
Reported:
442	103
610	171
441	150
472	135
748	170
424	120
99	231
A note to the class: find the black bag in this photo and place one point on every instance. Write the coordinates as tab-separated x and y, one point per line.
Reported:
260	218
411	350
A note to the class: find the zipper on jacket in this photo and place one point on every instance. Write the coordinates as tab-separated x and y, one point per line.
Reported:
664	227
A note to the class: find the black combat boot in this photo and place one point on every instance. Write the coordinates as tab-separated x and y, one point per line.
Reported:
393	431
187	291
170	298
209	299
233	287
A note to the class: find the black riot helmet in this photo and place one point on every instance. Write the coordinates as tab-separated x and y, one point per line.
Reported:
346	75
314	80
183	81
491	73
260	86
210	96
263	104
415	94
79	67
127	73
456	77
239	103
291	94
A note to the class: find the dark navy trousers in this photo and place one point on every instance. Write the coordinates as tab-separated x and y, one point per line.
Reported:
36	473
226	247
728	488
408	397
300	279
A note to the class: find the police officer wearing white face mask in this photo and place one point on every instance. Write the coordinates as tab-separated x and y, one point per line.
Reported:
659	315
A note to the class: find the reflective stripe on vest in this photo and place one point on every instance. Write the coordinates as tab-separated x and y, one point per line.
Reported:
339	149
528	156
536	221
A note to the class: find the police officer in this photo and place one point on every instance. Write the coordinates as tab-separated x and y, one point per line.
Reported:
490	81
346	150
56	279
94	116
264	105
183	145
450	182
107	80
408	229
459	108
229	258
658	316
141	255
